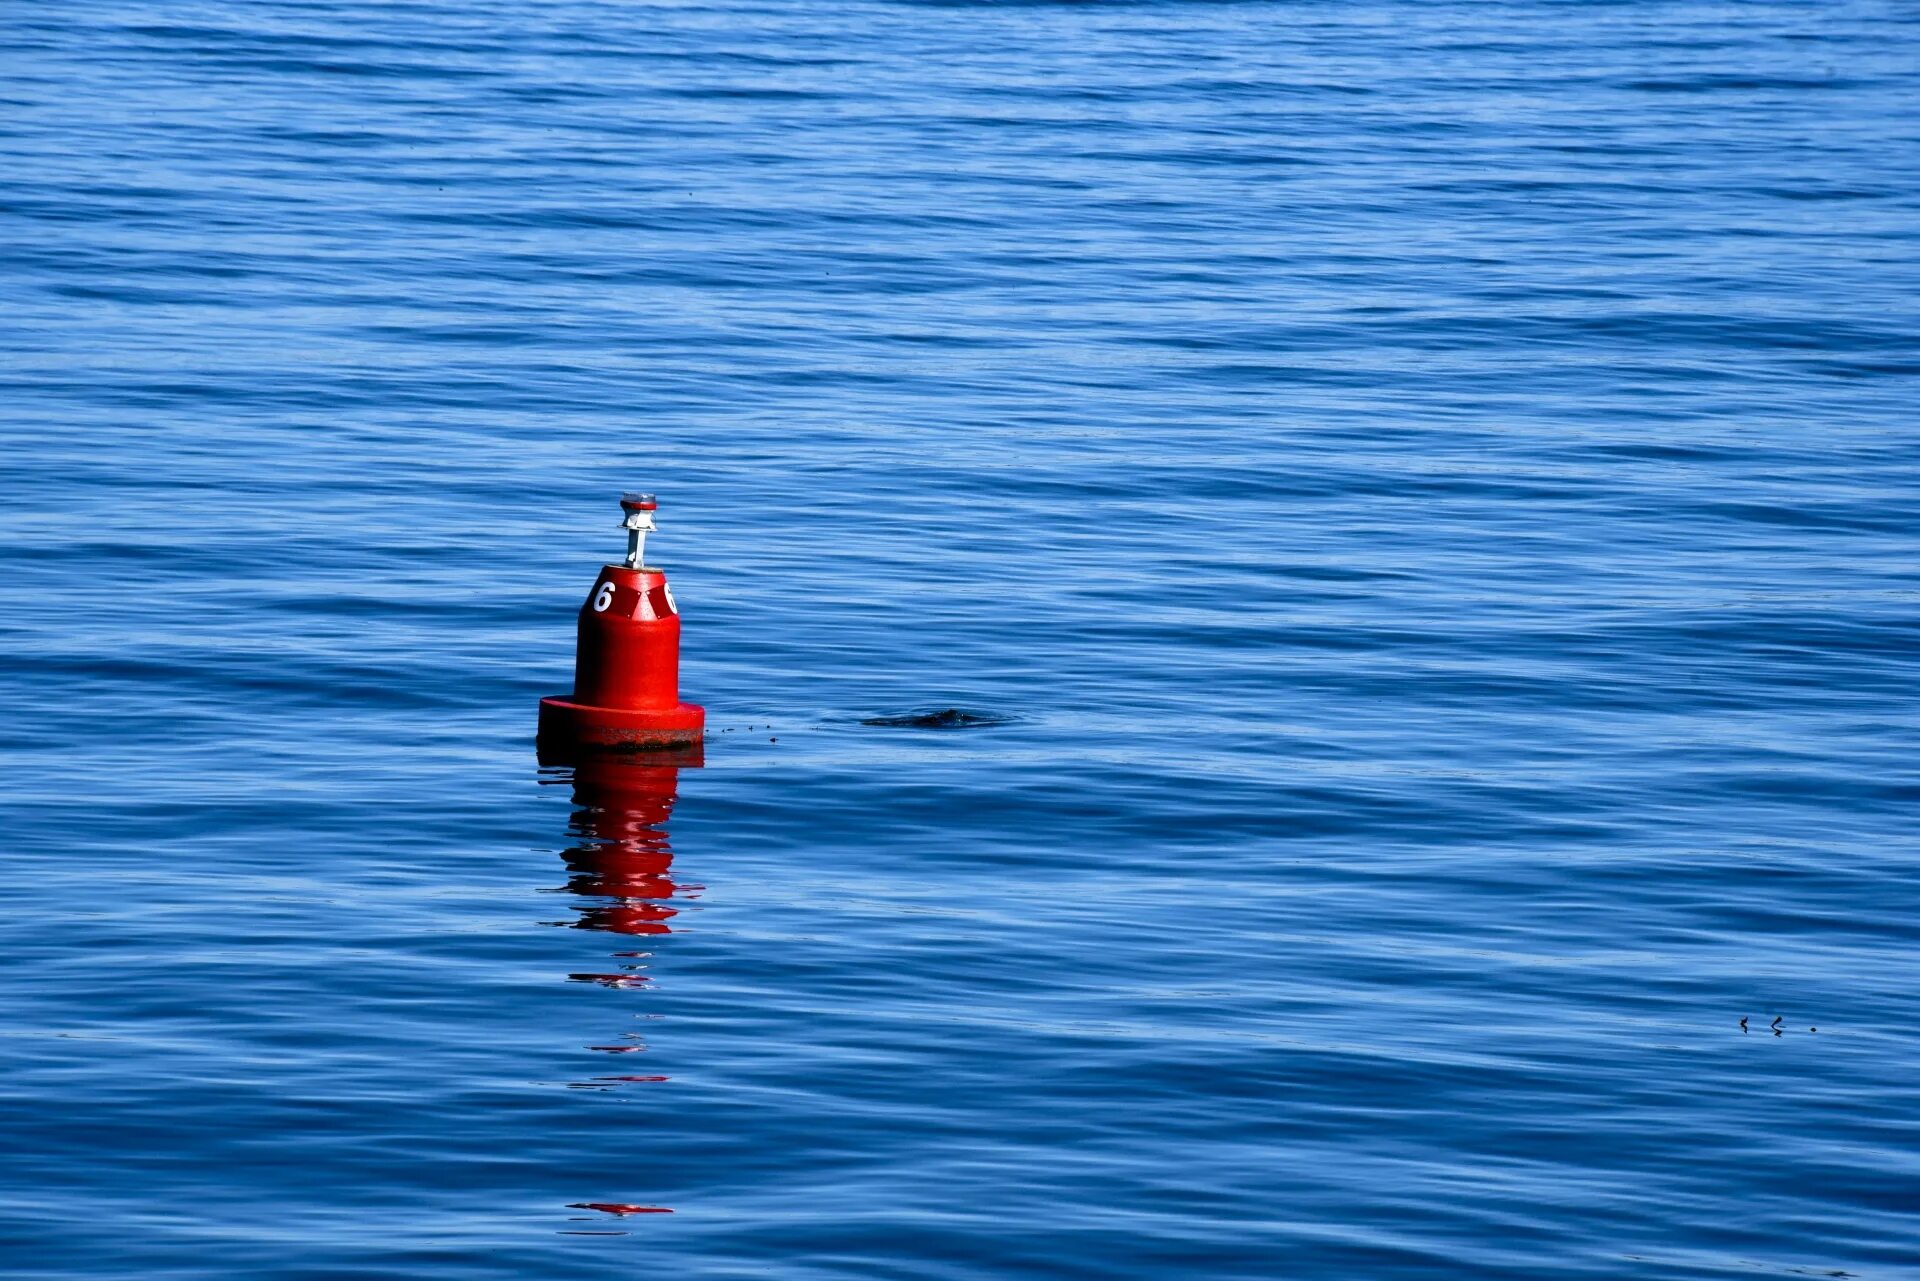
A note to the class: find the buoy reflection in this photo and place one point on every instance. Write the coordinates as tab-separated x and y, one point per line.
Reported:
620	868
621	859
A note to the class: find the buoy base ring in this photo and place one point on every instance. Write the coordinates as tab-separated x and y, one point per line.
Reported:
567	727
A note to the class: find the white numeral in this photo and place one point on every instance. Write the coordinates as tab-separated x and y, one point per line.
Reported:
604	599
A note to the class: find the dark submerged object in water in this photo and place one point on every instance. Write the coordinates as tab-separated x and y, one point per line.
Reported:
945	718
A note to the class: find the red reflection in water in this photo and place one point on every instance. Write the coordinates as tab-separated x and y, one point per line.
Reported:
623	853
628	918
617	1207
611	980
621	864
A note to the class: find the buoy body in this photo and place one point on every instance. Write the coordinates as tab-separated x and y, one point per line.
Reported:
626	674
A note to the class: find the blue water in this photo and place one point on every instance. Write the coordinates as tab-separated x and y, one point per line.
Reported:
1432	485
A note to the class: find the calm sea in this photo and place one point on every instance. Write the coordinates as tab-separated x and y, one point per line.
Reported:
1430	490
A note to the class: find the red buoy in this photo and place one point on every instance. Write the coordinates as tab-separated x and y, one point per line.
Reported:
626	673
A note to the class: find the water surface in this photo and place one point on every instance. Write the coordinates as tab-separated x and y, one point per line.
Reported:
1431	487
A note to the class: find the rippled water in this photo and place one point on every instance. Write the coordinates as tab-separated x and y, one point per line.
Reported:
1430	485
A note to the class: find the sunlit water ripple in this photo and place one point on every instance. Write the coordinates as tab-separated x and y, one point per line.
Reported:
1430	488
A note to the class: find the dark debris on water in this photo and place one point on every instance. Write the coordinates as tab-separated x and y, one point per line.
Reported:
942	718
